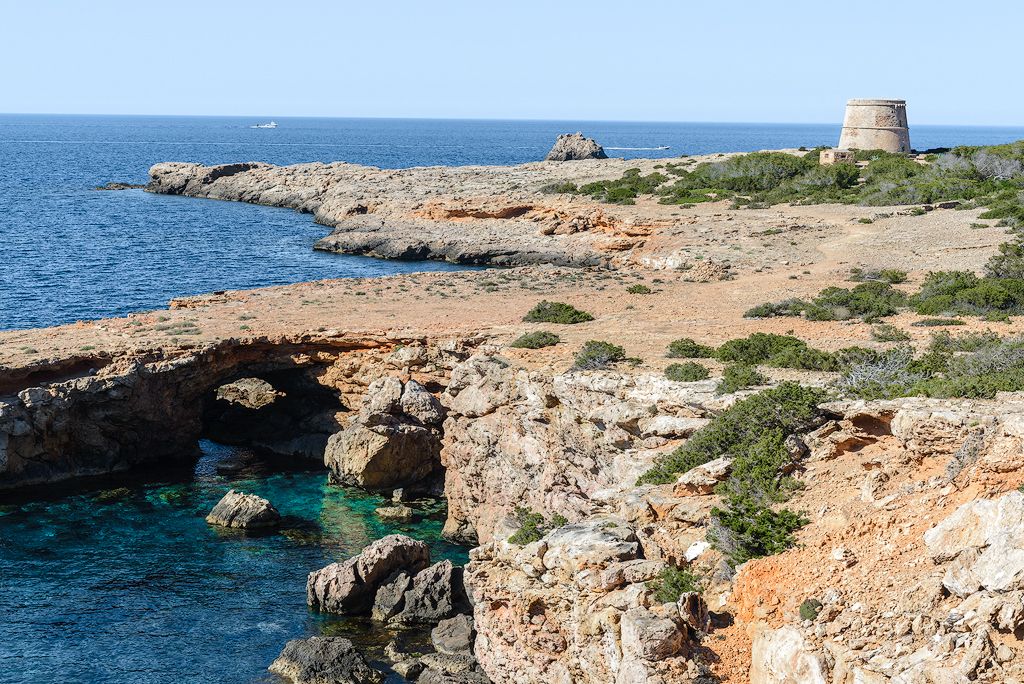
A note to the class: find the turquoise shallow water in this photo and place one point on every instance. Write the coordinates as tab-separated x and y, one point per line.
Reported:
140	589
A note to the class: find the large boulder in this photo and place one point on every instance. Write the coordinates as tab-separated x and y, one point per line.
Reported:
350	587
573	147
392	441
324	660
250	393
384	456
454	636
244	511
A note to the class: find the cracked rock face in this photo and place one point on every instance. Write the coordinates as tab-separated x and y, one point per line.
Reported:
564	443
244	511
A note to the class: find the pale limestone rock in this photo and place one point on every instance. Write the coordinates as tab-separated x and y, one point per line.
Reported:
781	656
244	511
646	636
399	513
421	404
672	426
350	587
704	478
985	540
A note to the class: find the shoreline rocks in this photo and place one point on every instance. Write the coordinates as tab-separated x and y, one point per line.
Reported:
244	511
324	660
349	588
574	147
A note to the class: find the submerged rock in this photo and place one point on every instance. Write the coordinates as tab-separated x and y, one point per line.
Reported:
573	147
244	511
397	513
350	587
324	660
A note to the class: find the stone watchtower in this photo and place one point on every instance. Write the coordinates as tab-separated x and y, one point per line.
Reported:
875	125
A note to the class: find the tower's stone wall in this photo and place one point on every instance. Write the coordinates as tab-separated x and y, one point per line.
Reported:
875	125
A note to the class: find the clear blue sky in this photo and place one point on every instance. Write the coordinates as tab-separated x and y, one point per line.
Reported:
747	60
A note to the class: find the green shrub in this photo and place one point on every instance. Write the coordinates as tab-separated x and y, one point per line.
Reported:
564	187
556	312
886	275
809	609
936	322
788	307
738	377
1009	263
786	408
744	530
596	354
639	289
535	340
686	372
885	332
533	526
673	582
626	189
686	348
756	348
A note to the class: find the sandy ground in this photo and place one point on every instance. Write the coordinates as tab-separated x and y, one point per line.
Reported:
773	254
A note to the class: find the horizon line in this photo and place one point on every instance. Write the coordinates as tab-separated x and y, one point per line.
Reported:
447	118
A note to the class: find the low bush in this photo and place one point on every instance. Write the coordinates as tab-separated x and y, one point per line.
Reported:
673	582
743	530
687	372
533	526
974	365
869	301
685	348
885	275
639	289
595	355
786	409
936	322
756	348
885	332
535	340
809	609
556	312
738	377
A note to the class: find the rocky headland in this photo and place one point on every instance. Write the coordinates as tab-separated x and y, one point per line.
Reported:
907	565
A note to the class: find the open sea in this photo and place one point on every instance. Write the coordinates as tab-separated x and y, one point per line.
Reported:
122	581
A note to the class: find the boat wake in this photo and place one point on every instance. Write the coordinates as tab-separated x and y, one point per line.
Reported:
662	147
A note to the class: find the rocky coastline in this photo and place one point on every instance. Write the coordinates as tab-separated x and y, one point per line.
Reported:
907	570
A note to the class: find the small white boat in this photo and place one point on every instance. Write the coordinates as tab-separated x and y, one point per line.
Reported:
272	124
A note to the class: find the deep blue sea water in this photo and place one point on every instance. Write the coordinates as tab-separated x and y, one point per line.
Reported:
139	590
73	253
